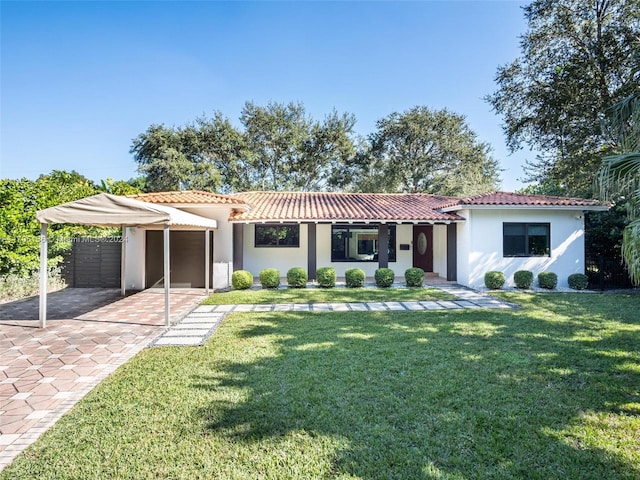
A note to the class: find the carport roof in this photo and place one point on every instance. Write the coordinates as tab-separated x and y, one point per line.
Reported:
105	209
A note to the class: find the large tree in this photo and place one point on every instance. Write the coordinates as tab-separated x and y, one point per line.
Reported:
289	150
619	175
577	58
423	150
280	147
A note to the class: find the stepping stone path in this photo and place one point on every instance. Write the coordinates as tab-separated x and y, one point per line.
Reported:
196	328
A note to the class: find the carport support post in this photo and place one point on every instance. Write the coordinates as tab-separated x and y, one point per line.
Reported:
207	259
167	278
123	261
43	275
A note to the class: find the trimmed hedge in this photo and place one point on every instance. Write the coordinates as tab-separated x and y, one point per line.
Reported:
494	280
241	279
384	277
547	280
414	277
578	281
326	277
297	277
354	277
523	278
270	278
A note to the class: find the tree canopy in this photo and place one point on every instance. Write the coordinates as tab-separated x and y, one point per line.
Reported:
423	150
577	58
280	147
19	229
619	175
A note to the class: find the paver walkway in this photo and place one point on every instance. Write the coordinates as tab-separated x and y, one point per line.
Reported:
89	334
196	328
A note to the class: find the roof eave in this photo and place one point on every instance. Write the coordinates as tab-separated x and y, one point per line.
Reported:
595	208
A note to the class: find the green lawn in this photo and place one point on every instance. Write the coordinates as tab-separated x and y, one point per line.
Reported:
324	295
549	391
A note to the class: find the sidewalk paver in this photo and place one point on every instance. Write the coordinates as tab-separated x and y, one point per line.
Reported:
89	334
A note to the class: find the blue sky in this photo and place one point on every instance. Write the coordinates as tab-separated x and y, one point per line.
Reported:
80	80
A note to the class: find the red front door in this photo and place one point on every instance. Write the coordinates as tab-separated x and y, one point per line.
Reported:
423	247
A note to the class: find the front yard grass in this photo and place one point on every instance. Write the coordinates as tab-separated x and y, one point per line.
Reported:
325	295
549	391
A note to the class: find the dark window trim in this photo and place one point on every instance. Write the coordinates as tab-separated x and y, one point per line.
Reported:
276	225
526	239
348	226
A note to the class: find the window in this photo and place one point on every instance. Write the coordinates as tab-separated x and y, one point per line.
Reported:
359	243
526	240
277	236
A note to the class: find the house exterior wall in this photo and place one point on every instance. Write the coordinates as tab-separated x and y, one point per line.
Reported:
255	259
134	245
440	250
480	243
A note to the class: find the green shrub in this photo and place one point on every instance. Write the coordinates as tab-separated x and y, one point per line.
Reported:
384	277
270	278
354	277
494	280
414	277
241	279
578	281
547	280
297	277
326	277
523	278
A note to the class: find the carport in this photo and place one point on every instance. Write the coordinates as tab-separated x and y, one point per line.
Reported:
106	210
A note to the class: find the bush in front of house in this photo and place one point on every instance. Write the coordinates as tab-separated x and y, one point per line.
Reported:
384	277
354	277
326	277
297	277
523	278
548	280
270	278
578	281
241	279
414	277
494	280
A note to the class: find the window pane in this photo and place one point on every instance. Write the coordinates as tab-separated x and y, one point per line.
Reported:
538	245
339	238
514	246
514	229
538	230
359	243
277	236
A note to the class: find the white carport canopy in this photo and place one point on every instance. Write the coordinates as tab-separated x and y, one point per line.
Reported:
114	211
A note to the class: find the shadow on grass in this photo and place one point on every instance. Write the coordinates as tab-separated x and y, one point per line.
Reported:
466	394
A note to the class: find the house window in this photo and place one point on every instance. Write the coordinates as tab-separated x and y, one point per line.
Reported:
526	240
277	236
359	243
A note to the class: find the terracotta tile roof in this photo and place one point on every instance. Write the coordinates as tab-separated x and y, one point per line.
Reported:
506	198
188	197
278	206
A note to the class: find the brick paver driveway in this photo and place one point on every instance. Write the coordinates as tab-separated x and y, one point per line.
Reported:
90	332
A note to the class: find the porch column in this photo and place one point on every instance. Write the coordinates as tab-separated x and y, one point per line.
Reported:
43	275
383	246
167	278
452	252
238	233
207	259
311	250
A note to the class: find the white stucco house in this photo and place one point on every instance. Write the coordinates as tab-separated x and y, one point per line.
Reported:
459	239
